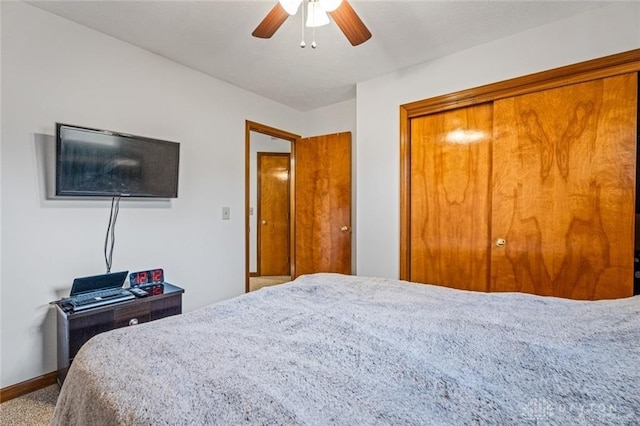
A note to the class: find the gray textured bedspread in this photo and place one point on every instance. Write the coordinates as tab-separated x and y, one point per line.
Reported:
332	349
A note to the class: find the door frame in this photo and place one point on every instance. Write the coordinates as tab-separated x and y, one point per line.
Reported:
251	126
607	66
259	208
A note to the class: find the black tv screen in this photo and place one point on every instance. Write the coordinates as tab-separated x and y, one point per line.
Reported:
101	163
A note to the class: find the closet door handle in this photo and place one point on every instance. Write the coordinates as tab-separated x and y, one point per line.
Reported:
501	242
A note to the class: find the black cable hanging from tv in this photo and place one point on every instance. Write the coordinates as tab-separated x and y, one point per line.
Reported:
110	238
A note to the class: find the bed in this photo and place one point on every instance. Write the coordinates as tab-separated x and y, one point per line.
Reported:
334	349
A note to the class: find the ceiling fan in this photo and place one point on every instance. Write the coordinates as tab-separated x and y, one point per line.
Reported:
340	10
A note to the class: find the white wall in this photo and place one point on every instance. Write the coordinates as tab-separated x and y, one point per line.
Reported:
1	216
612	29
56	71
340	117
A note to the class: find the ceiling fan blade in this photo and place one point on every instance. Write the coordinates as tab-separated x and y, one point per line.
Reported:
271	22
350	23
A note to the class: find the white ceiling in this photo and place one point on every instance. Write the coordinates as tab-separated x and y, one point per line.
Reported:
214	37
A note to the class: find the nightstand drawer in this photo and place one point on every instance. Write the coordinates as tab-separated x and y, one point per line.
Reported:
132	315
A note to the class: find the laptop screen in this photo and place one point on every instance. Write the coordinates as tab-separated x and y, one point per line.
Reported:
98	282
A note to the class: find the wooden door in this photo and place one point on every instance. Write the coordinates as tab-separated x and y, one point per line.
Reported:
323	204
450	204
273	214
563	190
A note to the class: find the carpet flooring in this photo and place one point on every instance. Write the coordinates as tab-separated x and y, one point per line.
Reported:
33	409
256	283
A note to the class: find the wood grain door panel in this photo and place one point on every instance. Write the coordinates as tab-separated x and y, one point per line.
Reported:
563	190
450	204
273	214
323	204
562	194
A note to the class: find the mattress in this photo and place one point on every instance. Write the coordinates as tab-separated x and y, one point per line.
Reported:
335	349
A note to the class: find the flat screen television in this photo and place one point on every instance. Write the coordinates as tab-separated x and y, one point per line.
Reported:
102	163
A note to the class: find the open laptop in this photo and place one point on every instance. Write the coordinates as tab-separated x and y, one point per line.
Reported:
99	290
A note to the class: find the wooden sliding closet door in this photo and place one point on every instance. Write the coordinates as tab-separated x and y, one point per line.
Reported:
563	190
450	172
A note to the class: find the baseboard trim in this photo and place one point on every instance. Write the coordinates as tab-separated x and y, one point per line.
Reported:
28	386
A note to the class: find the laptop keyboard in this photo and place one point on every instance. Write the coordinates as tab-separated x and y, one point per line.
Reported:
81	299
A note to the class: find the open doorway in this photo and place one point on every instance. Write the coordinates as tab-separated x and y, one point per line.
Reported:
269	205
319	202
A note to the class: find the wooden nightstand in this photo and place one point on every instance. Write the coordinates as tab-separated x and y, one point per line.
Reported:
74	329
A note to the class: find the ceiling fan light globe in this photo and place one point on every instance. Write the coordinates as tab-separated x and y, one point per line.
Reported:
290	6
316	16
330	5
